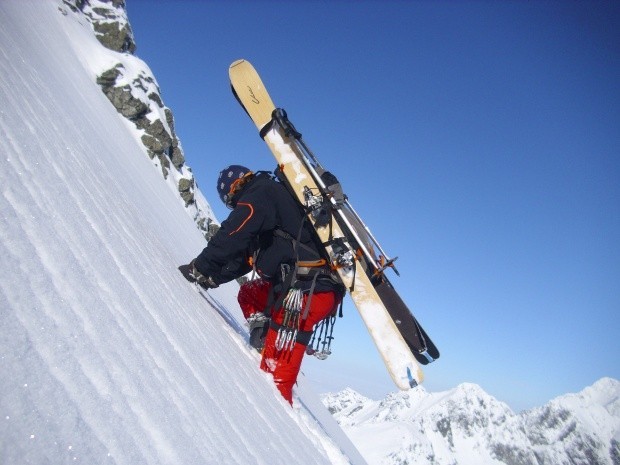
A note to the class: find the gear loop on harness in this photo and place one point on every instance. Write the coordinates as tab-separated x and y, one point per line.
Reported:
320	343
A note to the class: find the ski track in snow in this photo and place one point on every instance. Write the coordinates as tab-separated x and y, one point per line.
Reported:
108	356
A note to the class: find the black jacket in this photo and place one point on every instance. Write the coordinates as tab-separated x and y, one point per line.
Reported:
262	206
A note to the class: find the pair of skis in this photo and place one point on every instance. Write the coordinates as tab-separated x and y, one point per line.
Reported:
354	251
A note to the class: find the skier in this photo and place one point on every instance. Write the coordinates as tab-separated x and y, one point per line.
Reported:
267	231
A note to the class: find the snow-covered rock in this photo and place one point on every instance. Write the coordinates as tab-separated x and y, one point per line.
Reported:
129	84
466	425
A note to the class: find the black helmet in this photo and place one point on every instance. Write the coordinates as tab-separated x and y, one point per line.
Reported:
226	182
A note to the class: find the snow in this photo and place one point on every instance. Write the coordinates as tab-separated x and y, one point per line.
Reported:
465	425
107	354
289	157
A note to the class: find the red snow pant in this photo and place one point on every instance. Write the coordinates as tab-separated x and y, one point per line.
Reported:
253	296
285	364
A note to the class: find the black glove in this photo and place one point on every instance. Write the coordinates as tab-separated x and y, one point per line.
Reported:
194	276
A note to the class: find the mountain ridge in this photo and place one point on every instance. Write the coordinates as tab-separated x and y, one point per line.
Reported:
467	425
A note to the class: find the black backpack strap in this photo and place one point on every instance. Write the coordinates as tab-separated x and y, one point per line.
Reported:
282	289
296	241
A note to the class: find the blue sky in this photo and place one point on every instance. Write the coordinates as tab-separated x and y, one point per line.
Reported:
480	141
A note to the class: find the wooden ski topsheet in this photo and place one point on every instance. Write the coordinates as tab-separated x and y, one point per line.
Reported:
251	93
396	354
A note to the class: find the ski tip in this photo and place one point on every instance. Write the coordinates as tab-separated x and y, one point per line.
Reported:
238	62
424	357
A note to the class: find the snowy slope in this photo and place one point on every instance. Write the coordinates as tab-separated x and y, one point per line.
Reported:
468	426
107	355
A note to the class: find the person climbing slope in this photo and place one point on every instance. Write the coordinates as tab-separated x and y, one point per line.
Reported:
296	289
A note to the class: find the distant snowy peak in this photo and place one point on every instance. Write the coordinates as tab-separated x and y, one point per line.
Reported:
605	392
408	404
584	427
345	402
595	406
467	425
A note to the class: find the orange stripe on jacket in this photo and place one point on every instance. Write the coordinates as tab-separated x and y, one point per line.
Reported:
246	220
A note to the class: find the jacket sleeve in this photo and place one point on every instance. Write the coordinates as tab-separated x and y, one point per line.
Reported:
224	258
